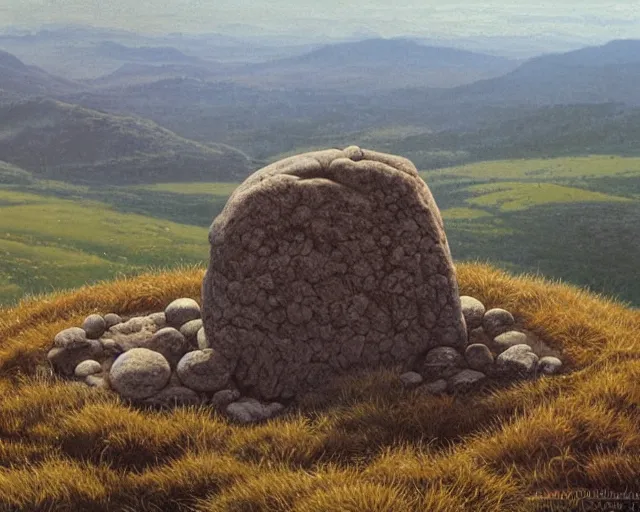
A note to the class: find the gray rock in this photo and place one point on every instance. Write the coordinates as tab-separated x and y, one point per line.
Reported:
94	326
224	397
170	343
95	381
160	319
465	381
111	319
442	363
71	338
496	321
190	331
478	336
133	333
202	340
86	368
139	373
517	361
111	347
203	370
411	380
478	356
173	396
437	387
509	339
549	365
250	410
181	311
65	360
473	311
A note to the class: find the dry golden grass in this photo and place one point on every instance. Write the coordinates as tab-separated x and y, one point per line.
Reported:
367	445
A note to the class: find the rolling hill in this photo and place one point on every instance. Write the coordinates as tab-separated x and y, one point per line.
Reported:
56	140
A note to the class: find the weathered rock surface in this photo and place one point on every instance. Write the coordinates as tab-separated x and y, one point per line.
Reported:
202	340
190	332
465	381
133	333
203	370
181	311
496	321
111	319
224	397
94	326
509	339
139	373
86	368
326	262
411	380
478	357
73	337
250	410
170	343
437	387
65	360
517	361
442	363
473	311
549	365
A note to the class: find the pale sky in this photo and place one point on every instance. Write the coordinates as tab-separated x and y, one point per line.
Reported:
451	18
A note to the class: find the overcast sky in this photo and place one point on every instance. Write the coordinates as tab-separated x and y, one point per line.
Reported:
579	18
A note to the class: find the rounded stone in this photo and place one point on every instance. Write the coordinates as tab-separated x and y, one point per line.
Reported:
517	361
159	319
139	373
94	326
73	337
202	340
190	331
224	397
203	370
478	356
411	380
86	368
465	381
496	321
181	311
442	363
111	319
170	343
65	360
250	410
549	365
508	339
95	381
320	265
473	311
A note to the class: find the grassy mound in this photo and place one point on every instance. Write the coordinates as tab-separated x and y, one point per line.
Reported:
368	446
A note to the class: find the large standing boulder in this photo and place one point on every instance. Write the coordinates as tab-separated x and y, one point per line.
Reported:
326	262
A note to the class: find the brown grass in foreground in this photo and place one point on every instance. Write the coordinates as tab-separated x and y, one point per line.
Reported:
367	446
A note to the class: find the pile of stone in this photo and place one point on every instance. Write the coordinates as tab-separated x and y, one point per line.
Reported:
498	351
321	265
161	359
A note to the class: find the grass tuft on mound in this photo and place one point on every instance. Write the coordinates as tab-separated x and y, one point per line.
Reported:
367	445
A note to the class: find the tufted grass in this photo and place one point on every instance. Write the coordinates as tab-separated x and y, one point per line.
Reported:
366	445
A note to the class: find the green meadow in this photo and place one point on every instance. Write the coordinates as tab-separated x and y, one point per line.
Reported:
576	219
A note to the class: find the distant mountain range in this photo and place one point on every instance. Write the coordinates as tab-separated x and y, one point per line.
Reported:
56	140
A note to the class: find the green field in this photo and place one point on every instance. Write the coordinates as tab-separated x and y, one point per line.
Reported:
576	219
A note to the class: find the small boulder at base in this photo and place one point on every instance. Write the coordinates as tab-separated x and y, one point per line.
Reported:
139	373
71	338
465	381
190	332
411	380
181	311
65	360
442	363
250	410
224	397
496	321
508	339
170	343
86	368
549	365
478	357
473	311
517	361
94	326
94	381
437	387
203	370
111	319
